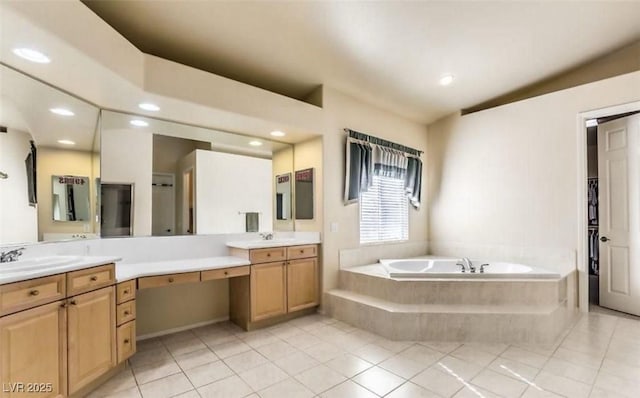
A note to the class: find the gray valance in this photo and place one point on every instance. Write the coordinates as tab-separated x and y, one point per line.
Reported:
367	156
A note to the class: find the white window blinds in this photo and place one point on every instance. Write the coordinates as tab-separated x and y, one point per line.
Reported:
384	211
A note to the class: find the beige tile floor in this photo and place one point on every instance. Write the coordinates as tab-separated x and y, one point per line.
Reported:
317	356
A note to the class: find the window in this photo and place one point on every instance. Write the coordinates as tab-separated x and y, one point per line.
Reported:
384	211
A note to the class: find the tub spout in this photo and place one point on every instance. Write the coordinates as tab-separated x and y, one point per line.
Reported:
466	264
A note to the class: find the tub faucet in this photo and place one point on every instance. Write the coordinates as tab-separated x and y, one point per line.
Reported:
11	255
466	264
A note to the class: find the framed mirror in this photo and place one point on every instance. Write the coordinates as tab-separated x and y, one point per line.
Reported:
304	194
45	133
70	198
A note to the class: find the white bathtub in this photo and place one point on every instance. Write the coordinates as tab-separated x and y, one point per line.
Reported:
448	268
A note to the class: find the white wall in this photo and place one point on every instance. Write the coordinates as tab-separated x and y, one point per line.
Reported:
228	184
14	199
342	111
504	181
127	158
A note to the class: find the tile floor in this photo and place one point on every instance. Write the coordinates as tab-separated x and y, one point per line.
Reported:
317	356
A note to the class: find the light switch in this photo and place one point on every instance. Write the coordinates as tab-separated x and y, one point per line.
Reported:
333	227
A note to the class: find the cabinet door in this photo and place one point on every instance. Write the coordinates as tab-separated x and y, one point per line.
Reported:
302	284
33	352
91	336
268	287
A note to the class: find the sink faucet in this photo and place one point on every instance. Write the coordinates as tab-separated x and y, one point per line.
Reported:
466	264
267	236
11	255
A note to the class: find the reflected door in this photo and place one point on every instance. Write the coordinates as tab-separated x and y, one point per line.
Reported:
619	202
163	205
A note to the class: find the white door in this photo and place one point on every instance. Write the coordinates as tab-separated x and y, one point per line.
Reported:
619	210
163	205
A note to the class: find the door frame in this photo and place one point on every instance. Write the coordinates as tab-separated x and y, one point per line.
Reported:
583	225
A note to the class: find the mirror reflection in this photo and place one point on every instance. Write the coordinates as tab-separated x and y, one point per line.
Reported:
45	133
70	198
283	196
193	180
304	194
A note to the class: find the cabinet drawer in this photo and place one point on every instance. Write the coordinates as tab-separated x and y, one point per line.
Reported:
22	295
126	291
125	312
257	256
305	251
85	280
126	337
225	273
166	280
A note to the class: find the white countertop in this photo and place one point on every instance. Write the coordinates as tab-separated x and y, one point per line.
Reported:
50	265
135	270
261	244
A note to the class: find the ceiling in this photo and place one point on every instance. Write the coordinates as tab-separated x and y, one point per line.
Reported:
388	53
25	105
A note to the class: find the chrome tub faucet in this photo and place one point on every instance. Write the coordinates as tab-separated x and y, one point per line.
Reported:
11	255
466	264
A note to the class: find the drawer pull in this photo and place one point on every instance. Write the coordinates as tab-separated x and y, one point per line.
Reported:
268	254
125	291
170	280
301	251
93	278
126	341
126	312
34	293
72	302
226	272
63	305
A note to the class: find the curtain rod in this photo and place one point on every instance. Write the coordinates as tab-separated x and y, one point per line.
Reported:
379	141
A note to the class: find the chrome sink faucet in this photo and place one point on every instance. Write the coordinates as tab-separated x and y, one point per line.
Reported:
11	255
267	235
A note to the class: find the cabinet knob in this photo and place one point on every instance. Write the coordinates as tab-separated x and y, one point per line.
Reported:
63	305
34	293
170	280
226	272
126	312
93	278
125	291
301	251
72	302
126	341
268	254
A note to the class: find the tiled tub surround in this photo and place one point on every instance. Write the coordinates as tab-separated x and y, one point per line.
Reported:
504	311
319	356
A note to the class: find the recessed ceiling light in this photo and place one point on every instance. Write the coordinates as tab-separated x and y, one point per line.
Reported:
66	142
32	55
147	106
446	80
278	133
255	143
139	123
61	111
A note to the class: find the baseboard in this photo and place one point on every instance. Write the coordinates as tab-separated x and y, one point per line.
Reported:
181	328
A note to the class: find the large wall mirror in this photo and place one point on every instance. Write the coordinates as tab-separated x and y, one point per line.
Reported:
49	162
192	180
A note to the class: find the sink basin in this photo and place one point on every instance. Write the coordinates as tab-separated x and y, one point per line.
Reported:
37	263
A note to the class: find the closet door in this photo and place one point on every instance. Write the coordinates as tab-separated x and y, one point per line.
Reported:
619	180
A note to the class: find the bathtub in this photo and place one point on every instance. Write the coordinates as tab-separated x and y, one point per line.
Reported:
444	268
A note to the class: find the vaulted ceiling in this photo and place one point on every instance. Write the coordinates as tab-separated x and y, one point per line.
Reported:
389	53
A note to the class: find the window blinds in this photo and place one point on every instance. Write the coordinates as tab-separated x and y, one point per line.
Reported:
384	213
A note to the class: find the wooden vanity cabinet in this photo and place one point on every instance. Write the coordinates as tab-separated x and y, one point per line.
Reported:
33	345
268	290
275	289
58	348
91	334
